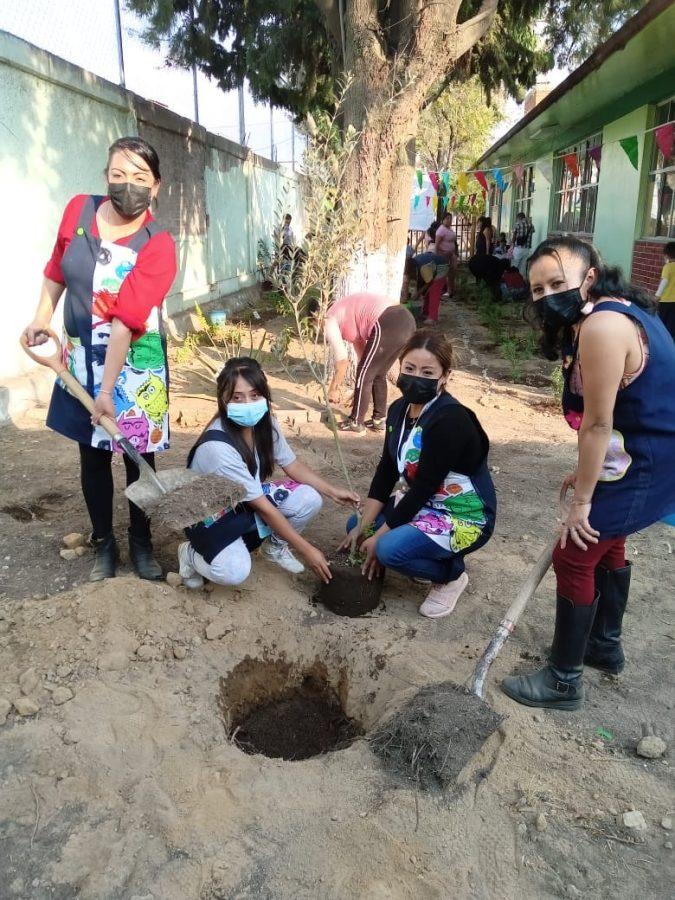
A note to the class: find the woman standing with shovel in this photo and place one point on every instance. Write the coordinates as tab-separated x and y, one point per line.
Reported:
116	266
619	396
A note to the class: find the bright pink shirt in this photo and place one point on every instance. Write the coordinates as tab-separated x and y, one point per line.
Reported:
445	240
356	314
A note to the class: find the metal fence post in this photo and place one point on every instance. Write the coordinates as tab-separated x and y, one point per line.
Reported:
120	50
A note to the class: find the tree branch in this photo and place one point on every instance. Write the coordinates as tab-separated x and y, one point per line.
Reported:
471	31
330	11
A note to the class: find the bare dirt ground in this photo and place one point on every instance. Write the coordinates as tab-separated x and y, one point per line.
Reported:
124	784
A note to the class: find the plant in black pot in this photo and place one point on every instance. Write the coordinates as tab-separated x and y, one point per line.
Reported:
349	592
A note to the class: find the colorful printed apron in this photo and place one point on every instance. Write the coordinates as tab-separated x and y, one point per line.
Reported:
462	511
637	484
94	270
214	534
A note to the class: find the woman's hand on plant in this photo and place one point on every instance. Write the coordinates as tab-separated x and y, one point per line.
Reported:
334	396
317	563
371	567
577	527
344	496
103	406
355	536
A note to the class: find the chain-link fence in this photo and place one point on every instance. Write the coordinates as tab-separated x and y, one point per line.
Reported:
105	38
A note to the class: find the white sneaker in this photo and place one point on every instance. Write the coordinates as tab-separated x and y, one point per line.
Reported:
191	577
282	556
442	599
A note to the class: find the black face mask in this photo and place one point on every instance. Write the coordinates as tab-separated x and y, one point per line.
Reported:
563	308
416	389
129	200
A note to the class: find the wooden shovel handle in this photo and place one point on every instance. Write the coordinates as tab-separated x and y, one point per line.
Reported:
55	362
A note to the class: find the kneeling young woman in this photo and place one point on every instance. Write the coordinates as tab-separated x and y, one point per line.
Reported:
243	443
447	504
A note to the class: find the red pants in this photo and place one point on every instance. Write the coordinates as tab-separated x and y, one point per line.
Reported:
575	568
432	299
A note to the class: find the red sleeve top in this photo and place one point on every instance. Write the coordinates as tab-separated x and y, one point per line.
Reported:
144	288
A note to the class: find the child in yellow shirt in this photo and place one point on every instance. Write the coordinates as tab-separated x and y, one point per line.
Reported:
665	292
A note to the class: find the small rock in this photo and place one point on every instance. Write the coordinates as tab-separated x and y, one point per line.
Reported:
62	695
145	652
666	821
179	651
572	891
73	540
634	820
522	829
64	670
69	555
173	579
28	681
5	707
113	661
80	551
541	824
215	630
537	718
26	706
651	747
668	845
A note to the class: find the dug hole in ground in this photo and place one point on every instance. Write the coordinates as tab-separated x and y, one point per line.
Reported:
134	773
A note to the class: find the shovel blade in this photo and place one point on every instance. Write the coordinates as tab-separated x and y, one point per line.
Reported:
187	497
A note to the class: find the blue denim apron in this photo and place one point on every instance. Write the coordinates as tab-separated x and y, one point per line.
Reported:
637	483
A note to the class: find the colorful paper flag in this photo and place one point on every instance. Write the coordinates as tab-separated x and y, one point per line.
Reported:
435	204
419	177
453	199
572	164
595	154
416	202
433	178
481	179
462	183
519	172
499	178
428	199
446	181
664	135
630	148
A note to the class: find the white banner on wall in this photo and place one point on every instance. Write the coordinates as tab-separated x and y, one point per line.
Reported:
422	211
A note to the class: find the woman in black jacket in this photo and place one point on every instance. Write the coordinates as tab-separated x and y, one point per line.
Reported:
445	507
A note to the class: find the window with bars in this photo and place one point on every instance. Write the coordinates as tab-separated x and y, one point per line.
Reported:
523	192
576	193
660	210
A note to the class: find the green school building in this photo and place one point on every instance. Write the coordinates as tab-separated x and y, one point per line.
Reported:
595	157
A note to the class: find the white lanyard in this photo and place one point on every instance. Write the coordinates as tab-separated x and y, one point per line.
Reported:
402	450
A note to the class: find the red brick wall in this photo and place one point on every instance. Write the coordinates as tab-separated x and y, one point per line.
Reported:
647	264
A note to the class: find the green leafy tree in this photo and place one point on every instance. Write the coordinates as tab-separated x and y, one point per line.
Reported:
399	54
455	128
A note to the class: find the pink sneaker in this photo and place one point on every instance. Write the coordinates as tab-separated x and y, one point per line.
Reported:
442	599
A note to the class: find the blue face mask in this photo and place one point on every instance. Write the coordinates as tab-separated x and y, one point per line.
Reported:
247	414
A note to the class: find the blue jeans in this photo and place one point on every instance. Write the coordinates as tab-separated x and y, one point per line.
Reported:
408	550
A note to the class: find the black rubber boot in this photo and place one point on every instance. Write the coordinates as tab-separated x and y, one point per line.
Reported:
107	557
559	685
604	650
144	563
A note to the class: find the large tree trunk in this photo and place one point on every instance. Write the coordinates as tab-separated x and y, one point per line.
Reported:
383	103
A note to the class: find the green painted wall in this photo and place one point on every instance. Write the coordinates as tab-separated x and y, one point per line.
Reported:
617	211
56	124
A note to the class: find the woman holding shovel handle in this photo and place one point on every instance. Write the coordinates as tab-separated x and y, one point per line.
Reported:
448	504
619	395
244	444
116	266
